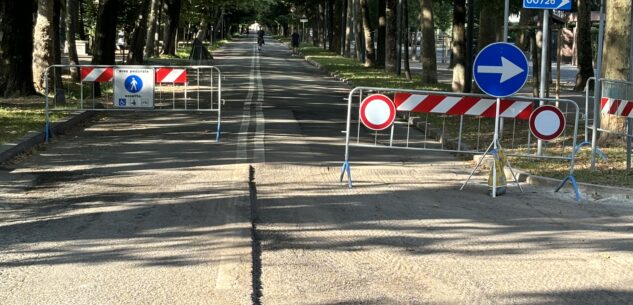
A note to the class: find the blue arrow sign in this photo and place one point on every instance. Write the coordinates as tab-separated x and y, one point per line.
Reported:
564	5
500	69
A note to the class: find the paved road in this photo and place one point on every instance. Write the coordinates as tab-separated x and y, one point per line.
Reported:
147	209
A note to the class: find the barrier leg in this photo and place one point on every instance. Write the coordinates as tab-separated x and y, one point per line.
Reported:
346	169
48	132
476	167
514	176
217	132
571	179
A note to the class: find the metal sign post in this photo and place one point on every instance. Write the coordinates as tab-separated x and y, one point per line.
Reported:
500	70
545	6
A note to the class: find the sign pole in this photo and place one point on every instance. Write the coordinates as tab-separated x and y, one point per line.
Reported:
500	69
543	76
506	16
597	89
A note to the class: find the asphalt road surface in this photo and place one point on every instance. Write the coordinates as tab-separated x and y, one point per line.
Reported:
145	208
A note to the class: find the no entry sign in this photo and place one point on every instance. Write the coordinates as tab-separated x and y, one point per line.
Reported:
547	122
377	112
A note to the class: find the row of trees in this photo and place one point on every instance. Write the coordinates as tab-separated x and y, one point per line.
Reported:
388	23
33	32
32	35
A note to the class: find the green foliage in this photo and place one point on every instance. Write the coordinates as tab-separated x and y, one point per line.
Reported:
359	75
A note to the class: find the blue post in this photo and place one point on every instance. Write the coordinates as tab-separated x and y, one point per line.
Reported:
571	179
346	169
217	133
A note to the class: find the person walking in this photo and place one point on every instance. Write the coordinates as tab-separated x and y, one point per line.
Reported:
295	43
260	39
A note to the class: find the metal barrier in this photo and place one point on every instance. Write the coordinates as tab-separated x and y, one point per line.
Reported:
615	101
462	123
172	89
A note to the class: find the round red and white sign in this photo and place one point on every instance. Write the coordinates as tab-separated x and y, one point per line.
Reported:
377	112
547	122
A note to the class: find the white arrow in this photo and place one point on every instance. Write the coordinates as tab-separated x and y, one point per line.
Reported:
563	3
507	69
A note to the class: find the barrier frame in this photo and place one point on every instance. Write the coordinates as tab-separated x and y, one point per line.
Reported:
346	167
47	109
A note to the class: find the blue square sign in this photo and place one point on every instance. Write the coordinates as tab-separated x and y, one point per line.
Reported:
122	102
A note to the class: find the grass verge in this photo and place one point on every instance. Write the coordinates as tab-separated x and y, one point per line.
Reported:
355	72
17	119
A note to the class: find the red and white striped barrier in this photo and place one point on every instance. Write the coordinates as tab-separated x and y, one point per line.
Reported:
617	107
171	75
97	75
456	105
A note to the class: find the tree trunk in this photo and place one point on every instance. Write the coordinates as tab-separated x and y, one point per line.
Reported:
382	33
370	54
81	29
342	26
335	10
616	61
172	9
429	61
58	50
105	38
459	50
152	22
349	28
583	45
358	28
490	23
536	68
137	44
43	43
16	47
392	33
405	14
72	22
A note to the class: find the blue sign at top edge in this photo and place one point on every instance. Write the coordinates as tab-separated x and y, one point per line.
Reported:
563	5
500	69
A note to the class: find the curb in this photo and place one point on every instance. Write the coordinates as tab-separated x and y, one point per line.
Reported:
33	138
587	190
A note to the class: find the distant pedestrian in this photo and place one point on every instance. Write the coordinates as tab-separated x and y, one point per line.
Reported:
120	44
260	39
295	42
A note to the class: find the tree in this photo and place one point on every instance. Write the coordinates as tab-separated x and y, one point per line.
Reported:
392	32
349	27
152	21
103	49
583	45
381	33
16	48
43	43
370	54
172	10
616	61
72	23
405	35
459	50
429	60
137	43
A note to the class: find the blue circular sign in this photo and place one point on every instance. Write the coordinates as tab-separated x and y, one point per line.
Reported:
133	83
500	69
